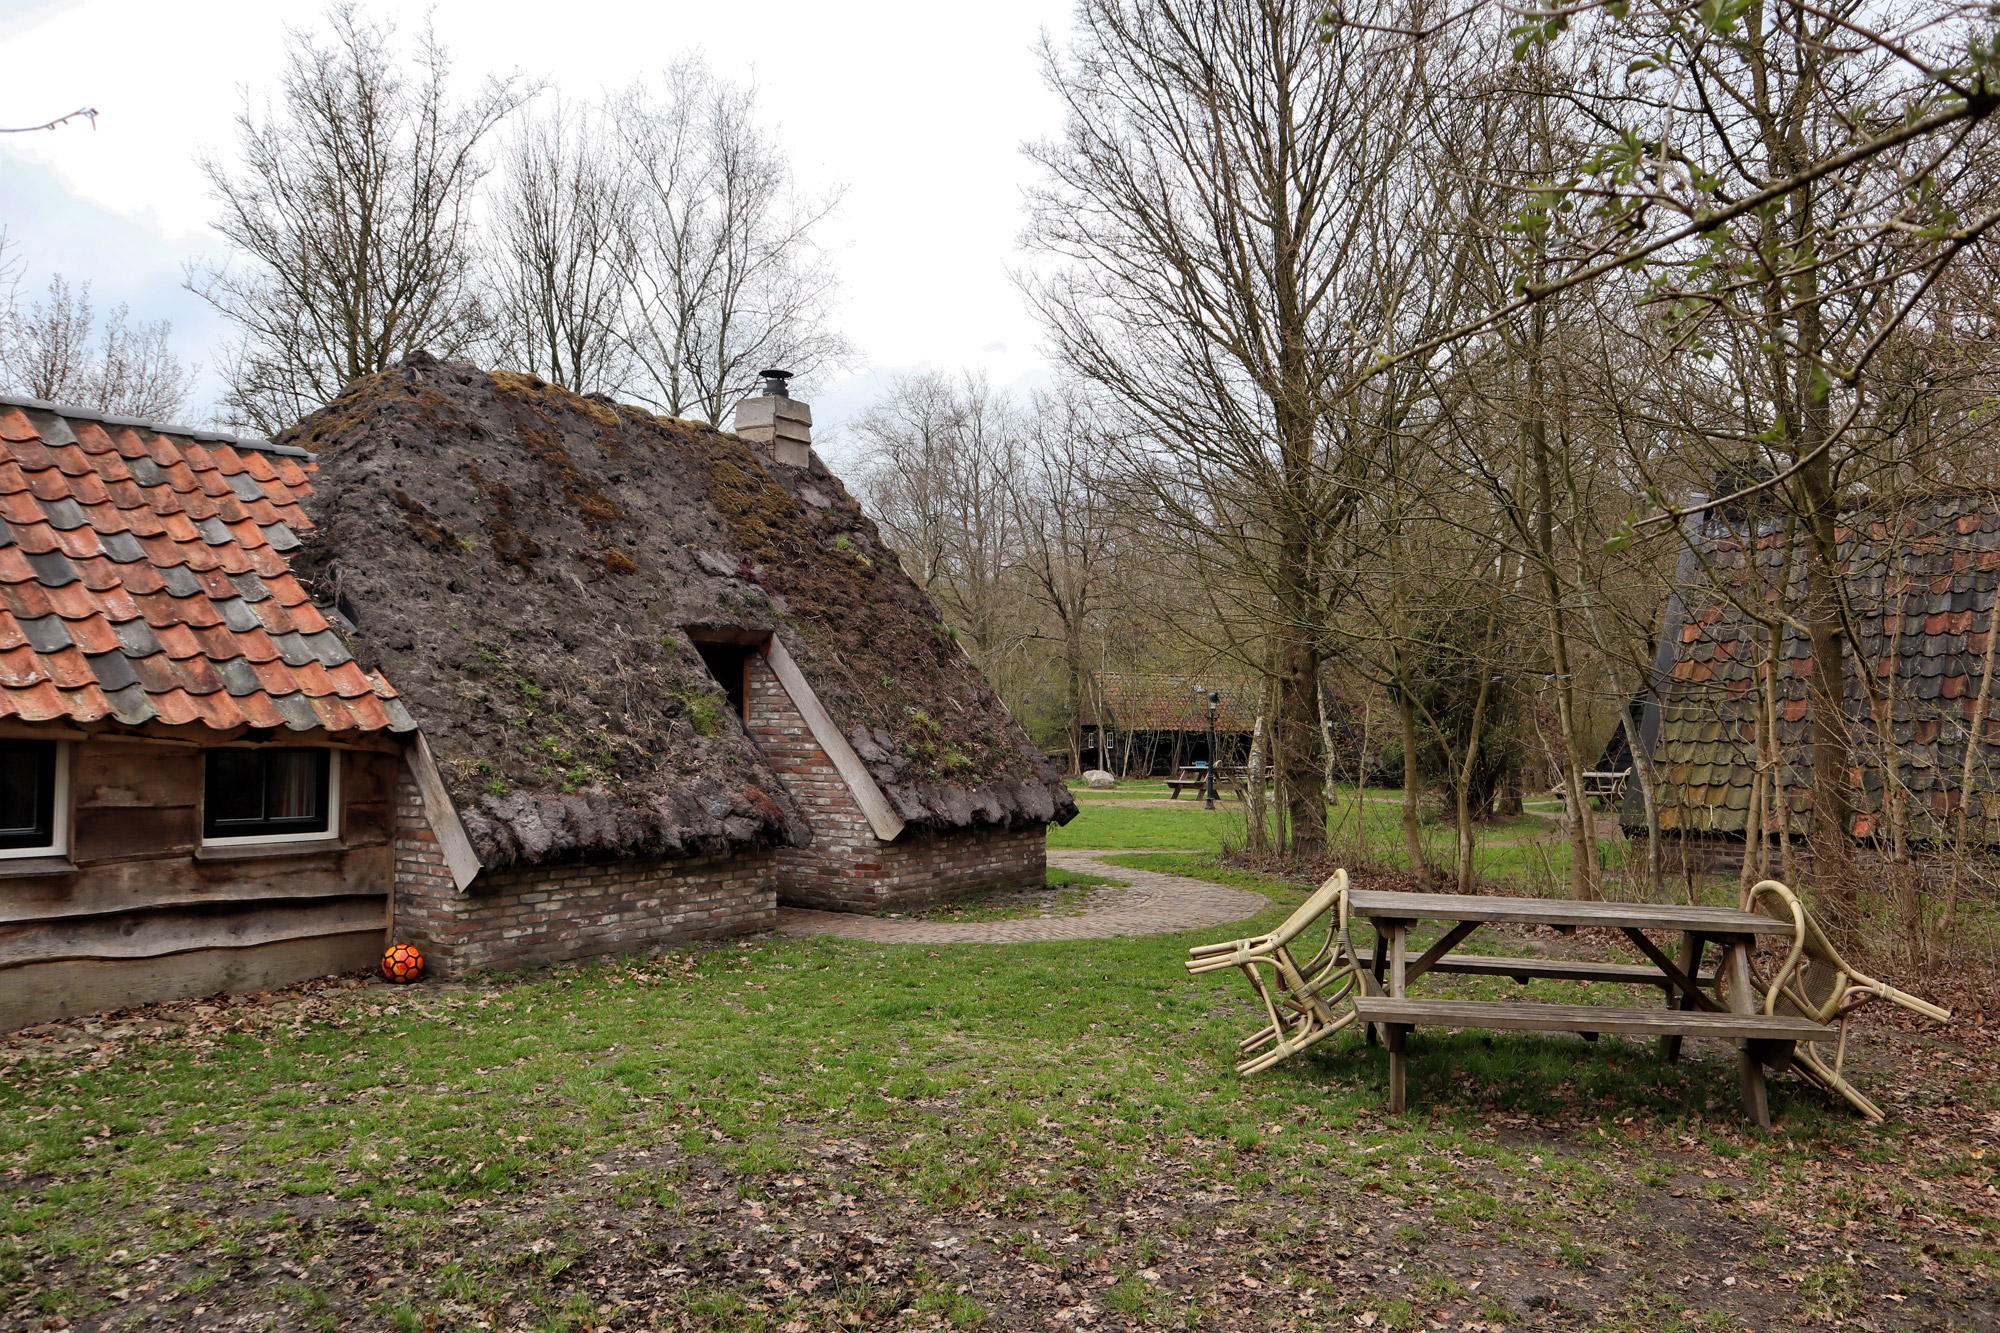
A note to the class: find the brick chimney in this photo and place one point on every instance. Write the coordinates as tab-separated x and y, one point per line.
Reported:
777	420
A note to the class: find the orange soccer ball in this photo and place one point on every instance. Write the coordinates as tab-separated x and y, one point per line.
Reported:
402	962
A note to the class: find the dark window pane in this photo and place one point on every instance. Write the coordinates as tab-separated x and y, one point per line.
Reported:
235	785
288	784
253	793
27	793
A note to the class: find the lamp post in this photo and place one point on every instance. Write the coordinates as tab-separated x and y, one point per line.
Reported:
1214	699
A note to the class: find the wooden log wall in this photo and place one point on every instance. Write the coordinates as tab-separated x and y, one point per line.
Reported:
140	912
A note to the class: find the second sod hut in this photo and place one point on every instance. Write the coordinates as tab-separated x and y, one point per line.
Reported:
666	677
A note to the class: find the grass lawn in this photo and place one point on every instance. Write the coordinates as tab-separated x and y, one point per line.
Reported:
1529	850
817	1134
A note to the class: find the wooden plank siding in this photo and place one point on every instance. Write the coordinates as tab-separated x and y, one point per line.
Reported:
143	913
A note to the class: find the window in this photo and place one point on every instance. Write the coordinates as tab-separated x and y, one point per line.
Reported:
33	813
268	795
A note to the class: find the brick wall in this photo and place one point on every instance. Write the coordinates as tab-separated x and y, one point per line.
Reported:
546	914
847	868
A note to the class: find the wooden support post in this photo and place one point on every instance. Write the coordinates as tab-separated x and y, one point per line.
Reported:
1398	980
1743	1000
1689	960
1377	960
1399	1035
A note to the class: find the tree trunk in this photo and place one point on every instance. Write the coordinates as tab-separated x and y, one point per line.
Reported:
1413	843
1258	837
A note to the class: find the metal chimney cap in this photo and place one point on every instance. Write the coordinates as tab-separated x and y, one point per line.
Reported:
774	383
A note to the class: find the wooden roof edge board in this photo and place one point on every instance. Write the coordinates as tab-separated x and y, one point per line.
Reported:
882	816
194	736
442	814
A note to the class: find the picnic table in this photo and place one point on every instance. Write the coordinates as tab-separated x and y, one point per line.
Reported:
1694	1003
1227	778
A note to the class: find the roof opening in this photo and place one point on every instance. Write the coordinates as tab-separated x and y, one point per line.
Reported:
726	652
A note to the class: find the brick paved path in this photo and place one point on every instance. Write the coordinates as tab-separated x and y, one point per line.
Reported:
1149	904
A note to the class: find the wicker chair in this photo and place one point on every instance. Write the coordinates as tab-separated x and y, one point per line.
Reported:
1306	1002
1816	982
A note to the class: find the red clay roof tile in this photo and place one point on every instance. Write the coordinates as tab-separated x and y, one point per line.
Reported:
347	680
147	551
218	642
258	710
93	634
24	599
176	638
307	617
14	566
37	702
274	616
275	676
257	645
71	601
35	535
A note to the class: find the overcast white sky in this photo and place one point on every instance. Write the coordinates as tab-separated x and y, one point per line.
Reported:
917	109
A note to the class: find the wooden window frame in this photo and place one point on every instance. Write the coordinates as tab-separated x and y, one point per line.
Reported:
59	821
329	835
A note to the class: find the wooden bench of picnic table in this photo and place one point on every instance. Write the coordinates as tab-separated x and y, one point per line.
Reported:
1193	775
1693	1011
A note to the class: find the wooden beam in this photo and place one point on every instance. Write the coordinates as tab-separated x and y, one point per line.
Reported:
882	816
155	934
1682	981
43	992
442	815
1440	949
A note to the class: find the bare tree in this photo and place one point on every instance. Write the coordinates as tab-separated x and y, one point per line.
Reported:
1069	531
351	214
940	461
720	275
1246	229
557	219
57	351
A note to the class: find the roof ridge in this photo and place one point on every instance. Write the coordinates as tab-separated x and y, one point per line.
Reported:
257	443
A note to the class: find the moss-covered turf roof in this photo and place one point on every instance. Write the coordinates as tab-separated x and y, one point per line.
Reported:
524	563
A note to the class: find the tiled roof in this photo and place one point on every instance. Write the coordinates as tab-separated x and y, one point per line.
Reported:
1135	701
143	578
1920	581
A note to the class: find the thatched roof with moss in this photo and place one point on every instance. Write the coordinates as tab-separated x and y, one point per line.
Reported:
523	562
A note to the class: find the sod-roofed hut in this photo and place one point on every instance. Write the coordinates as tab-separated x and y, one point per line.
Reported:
1919	579
663	674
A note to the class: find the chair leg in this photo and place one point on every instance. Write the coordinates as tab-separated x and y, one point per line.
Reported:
1398	1035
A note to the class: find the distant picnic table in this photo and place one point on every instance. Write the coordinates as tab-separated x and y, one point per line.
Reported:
1228	777
1693	1007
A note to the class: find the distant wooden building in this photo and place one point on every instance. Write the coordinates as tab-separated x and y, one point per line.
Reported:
1153	724
1920	576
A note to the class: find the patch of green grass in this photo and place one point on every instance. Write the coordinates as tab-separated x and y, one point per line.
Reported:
949	1059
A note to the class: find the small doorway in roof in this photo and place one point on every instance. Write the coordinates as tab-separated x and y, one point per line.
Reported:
726	652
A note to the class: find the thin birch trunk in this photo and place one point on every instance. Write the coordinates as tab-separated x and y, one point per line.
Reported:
1941	927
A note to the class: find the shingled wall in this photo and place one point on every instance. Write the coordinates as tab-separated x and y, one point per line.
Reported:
847	868
548	914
